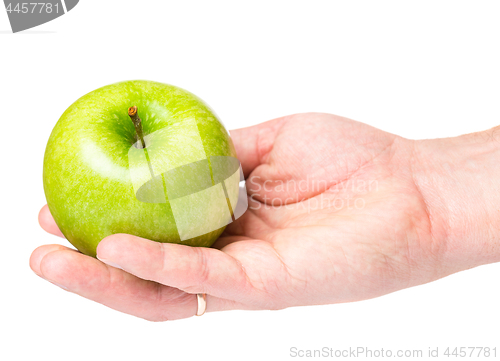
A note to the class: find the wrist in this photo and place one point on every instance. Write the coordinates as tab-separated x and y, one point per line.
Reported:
459	179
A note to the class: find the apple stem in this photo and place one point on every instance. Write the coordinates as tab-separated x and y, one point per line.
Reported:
132	113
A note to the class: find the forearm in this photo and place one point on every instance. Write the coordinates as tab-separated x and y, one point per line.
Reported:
459	179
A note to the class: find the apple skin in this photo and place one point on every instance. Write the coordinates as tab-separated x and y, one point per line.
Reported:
86	174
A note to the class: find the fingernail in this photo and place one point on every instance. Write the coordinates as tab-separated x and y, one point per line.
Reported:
58	285
109	263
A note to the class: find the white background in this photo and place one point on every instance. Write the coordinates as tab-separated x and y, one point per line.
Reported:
421	69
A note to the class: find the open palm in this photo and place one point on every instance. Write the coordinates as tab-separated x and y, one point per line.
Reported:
335	215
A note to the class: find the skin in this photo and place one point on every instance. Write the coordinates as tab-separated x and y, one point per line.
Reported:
376	213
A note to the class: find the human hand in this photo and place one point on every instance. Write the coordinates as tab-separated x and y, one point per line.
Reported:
338	211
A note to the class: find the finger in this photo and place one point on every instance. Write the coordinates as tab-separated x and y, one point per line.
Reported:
258	222
118	289
42	251
253	144
192	269
47	222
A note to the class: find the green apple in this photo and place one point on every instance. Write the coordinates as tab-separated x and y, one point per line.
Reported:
99	179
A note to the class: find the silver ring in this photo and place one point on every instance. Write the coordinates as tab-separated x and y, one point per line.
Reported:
202	303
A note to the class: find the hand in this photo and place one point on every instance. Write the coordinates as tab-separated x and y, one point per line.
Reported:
338	211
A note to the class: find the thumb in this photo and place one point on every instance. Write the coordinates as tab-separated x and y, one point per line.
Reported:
191	269
254	143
